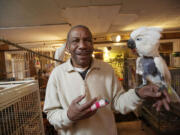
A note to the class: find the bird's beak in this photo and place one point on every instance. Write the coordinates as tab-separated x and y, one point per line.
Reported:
131	44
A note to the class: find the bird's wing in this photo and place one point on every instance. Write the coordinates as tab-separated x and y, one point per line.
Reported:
174	97
163	69
139	69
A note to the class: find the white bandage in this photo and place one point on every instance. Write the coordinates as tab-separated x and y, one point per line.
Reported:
99	104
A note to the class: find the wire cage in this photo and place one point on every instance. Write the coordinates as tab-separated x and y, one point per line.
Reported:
129	75
164	122
20	112
175	76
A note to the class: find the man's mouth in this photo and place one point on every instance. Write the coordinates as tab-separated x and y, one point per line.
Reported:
84	53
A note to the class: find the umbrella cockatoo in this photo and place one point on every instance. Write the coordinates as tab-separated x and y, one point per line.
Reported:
150	65
59	54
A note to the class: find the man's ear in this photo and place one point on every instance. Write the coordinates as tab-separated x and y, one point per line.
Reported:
67	47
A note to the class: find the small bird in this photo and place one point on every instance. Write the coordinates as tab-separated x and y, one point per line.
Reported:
150	65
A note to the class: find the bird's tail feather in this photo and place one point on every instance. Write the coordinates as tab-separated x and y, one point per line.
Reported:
173	95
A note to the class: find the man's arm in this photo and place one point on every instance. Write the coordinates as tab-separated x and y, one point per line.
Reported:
56	115
122	101
125	102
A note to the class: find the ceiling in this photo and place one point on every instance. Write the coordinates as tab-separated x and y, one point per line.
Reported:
35	22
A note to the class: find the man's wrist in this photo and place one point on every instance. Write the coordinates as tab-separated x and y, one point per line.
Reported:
137	92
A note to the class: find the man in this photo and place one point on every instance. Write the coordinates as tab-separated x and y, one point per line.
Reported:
75	85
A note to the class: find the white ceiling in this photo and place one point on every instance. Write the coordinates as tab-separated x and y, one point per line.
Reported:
48	20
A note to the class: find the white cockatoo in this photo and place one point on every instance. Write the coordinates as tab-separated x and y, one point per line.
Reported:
59	54
150	65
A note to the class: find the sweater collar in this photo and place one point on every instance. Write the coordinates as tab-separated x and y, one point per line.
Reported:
70	68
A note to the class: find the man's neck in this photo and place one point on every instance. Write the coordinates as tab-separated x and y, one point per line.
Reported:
80	69
80	66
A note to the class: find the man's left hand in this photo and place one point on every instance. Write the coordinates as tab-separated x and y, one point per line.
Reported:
152	92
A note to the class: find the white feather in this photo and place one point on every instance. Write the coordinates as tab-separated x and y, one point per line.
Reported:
163	68
154	79
139	69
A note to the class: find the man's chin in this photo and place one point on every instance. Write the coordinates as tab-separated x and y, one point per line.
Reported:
83	57
84	63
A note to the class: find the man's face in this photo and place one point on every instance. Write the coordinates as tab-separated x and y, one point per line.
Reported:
81	47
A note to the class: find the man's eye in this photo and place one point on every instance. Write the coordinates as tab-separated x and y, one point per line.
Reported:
75	41
88	40
138	39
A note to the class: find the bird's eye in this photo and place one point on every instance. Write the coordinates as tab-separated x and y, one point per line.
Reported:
138	39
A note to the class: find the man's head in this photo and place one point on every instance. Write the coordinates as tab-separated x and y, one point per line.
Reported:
80	46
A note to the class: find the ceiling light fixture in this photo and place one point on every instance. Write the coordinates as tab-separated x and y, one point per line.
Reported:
118	38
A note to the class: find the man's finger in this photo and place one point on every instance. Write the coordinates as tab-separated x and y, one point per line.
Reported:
88	113
154	94
78	99
159	104
88	104
154	88
154	105
166	96
166	105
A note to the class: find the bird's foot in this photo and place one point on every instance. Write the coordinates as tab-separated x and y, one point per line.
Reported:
142	85
162	88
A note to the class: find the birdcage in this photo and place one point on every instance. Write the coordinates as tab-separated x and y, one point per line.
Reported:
129	73
20	112
165	122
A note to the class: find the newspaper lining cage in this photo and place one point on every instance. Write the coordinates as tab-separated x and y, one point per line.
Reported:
20	112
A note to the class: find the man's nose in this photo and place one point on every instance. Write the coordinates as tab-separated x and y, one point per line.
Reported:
82	44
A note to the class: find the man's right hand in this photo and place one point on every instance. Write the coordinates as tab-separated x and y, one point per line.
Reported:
78	112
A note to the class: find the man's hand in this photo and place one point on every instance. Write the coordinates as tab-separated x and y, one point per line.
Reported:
152	91
79	112
164	101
